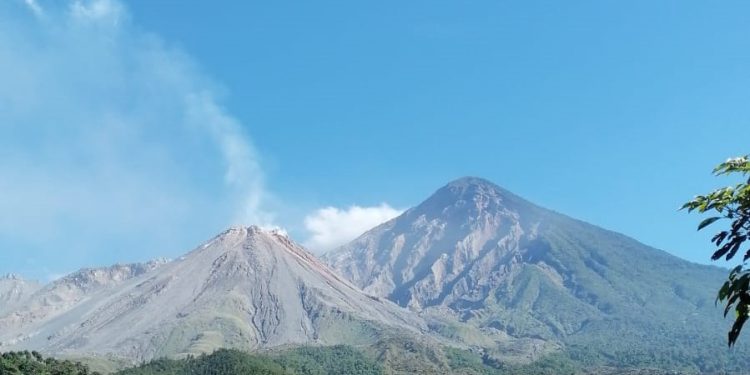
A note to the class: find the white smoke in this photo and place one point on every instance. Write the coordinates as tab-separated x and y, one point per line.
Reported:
107	130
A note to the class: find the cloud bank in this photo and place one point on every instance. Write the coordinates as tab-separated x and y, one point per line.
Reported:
331	227
112	140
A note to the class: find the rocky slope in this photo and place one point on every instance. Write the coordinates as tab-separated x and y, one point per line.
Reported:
247	288
476	253
66	292
14	290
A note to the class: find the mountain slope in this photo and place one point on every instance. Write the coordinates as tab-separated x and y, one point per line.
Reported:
482	255
247	288
14	290
66	292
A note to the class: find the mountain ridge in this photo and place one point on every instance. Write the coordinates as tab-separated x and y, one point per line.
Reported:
245	288
474	271
14	290
478	254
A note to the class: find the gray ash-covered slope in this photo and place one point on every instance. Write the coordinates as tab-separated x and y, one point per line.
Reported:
484	256
36	302
247	288
14	290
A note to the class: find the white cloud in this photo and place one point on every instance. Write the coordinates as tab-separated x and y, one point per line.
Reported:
331	227
109	135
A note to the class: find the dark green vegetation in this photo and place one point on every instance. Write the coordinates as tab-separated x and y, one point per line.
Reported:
730	203
32	363
346	360
397	358
298	361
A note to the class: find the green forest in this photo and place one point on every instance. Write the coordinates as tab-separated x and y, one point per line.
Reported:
306	360
32	363
300	361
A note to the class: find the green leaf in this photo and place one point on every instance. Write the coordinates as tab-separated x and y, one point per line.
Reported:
734	333
721	251
733	203
720	237
735	246
735	271
723	292
708	222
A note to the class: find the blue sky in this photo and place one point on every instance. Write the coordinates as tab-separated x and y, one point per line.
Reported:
130	130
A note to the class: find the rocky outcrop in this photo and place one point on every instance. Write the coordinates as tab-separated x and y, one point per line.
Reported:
61	295
14	290
451	247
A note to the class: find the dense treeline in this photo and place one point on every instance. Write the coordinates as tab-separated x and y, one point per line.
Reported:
32	363
300	361
329	361
309	361
346	360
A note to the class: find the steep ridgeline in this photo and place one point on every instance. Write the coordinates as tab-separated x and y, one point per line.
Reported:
247	288
15	290
66	292
476	253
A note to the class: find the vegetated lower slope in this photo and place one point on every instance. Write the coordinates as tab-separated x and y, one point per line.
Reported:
32	363
475	253
247	288
300	361
342	359
304	360
333	360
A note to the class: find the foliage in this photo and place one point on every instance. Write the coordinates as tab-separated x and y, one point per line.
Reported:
32	363
309	360
300	361
316	360
730	203
462	361
221	362
340	360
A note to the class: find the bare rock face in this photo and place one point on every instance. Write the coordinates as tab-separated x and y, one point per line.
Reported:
247	288
453	246
14	290
66	292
